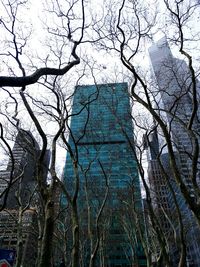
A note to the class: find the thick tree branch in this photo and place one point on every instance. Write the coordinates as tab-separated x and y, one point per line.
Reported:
33	78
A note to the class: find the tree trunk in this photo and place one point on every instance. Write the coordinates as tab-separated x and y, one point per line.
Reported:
47	238
19	239
75	236
182	261
39	243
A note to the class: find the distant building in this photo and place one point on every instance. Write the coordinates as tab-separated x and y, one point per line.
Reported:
173	98
19	176
20	170
102	133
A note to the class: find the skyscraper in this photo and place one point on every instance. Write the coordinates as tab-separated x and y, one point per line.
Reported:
19	176
158	185
101	134
22	167
176	99
173	99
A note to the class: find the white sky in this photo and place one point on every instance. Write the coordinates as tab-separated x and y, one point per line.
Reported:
36	15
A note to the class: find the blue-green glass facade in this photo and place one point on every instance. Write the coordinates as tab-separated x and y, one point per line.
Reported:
102	139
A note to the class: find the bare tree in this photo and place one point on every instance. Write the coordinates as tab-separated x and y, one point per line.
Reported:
119	38
11	27
122	30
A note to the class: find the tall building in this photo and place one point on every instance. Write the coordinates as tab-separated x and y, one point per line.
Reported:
21	166
158	185
173	98
159	177
20	172
102	137
176	99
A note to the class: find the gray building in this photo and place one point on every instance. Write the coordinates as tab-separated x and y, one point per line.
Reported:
19	176
18	182
173	98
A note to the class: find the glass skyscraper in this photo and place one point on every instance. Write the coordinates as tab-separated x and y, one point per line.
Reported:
173	97
101	136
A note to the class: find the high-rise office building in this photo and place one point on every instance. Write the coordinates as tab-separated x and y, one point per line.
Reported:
21	167
173	98
161	184
176	99
19	177
101	135
157	181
